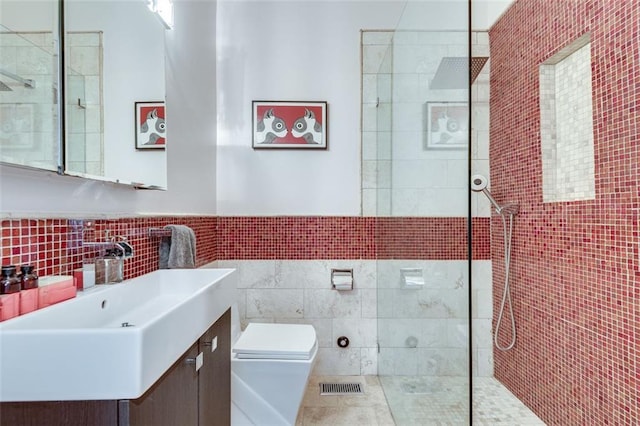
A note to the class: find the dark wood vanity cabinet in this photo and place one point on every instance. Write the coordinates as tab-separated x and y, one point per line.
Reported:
172	400
181	397
59	413
214	386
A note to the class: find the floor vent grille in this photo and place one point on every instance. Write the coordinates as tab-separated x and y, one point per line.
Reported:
340	388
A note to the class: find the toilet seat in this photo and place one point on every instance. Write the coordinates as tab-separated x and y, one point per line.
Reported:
276	341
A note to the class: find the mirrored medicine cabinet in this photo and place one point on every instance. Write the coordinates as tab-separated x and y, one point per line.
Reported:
112	54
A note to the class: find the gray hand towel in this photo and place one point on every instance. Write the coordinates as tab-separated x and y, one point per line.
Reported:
179	250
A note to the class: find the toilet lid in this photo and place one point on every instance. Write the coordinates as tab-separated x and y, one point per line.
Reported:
276	341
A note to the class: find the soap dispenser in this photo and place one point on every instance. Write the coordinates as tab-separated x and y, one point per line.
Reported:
9	282
109	268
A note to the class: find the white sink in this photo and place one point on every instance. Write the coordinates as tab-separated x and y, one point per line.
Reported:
80	350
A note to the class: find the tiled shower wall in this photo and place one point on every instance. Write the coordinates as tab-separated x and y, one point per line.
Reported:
401	176
566	124
575	265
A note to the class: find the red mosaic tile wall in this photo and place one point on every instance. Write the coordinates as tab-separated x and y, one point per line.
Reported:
575	268
296	237
437	238
55	246
349	238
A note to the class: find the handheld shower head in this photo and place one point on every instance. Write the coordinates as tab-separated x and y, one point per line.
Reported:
479	184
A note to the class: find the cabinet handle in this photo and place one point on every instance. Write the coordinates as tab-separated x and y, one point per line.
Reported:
213	344
198	361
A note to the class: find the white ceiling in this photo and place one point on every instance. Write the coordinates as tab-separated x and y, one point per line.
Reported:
486	12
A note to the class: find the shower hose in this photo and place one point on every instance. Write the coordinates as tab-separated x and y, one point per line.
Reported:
506	294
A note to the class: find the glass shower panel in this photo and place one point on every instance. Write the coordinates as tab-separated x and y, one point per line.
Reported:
421	201
76	110
383	131
85	107
376	122
28	88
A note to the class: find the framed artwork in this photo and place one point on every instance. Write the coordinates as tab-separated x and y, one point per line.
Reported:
446	125
150	125
279	124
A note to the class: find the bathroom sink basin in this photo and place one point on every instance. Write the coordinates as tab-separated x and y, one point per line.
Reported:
112	341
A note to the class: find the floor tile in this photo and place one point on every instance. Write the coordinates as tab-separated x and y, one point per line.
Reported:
413	400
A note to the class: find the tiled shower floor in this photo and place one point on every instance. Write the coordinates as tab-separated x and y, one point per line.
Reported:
413	401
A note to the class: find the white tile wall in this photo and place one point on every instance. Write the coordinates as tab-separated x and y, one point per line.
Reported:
271	304
568	170
432	319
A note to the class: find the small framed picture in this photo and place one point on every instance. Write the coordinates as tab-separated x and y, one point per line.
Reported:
150	125
446	125
280	124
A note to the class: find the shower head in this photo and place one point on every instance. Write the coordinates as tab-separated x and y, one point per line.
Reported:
479	184
457	72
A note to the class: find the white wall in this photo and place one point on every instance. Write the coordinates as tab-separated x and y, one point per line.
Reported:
484	13
302	50
284	50
20	15
191	177
133	40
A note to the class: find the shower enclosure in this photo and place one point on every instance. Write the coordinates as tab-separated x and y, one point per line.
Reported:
417	148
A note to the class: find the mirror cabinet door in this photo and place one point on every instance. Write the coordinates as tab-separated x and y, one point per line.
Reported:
29	81
114	103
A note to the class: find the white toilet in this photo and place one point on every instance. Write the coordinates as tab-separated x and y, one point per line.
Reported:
270	368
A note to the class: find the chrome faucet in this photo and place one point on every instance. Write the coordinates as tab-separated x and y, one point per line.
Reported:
124	247
110	268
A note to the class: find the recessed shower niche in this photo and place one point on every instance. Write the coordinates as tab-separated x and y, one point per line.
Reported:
566	124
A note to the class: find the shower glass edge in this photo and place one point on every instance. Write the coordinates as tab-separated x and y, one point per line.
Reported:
421	190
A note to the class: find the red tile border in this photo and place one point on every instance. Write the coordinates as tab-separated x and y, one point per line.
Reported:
296	237
55	246
430	238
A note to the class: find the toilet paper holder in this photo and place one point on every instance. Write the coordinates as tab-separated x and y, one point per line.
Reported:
342	279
